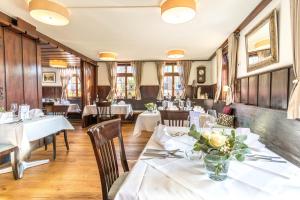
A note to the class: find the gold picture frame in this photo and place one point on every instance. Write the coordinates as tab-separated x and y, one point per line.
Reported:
49	77
262	49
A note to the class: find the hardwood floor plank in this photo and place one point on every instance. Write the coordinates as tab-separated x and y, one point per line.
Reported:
73	175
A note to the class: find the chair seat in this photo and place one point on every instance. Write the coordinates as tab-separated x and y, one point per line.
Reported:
116	186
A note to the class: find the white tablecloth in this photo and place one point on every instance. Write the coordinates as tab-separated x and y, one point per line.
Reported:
72	108
146	121
22	133
178	179
116	109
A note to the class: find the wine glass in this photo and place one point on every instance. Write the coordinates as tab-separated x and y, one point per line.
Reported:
14	108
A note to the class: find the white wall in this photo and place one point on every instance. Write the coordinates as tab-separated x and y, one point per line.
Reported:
285	40
149	73
51	69
102	78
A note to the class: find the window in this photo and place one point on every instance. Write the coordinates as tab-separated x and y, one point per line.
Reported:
172	80
125	81
74	87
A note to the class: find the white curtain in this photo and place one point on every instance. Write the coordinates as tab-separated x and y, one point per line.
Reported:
219	57
112	77
294	103
160	77
138	67
232	62
65	76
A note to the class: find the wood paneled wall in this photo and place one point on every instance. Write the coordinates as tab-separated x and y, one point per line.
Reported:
52	92
89	82
268	89
277	132
20	77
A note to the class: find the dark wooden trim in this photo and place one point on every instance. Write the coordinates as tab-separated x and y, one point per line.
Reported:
246	21
21	26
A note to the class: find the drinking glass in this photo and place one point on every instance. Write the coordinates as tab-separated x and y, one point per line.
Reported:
212	112
14	108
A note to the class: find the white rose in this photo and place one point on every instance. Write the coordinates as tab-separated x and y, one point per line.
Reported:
217	140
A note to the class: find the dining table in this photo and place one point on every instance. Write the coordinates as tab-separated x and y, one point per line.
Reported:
116	109
146	121
178	178
20	133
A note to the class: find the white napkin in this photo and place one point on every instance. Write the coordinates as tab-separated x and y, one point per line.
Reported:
198	109
163	136
121	103
36	113
6	117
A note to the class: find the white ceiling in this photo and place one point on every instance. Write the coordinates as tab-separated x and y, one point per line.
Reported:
140	33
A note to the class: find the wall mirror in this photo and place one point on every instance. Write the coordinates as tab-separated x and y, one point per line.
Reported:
262	43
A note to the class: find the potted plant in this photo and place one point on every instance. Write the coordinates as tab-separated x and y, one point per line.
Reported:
150	107
219	149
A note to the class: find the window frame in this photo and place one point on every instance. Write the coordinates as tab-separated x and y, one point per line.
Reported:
172	74
126	74
77	88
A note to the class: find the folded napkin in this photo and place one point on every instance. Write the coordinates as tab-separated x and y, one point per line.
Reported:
198	109
164	135
36	113
121	103
6	117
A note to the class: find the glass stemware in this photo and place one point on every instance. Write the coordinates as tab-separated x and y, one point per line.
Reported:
14	108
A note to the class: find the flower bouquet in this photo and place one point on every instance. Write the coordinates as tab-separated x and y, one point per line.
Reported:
150	107
219	149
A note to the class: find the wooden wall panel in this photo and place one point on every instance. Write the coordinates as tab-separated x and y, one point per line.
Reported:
89	82
13	66
264	90
2	71
30	72
237	91
149	91
103	91
276	131
39	74
51	92
252	99
244	90
279	89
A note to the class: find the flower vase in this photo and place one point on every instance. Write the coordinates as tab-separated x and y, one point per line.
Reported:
216	166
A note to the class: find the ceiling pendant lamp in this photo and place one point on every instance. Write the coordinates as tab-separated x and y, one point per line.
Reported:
108	56
178	11
49	12
58	64
175	54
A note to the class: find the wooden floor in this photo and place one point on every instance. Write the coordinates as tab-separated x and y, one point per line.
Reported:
72	175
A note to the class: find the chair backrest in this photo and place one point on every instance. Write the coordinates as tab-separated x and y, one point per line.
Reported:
104	109
175	117
60	109
102	136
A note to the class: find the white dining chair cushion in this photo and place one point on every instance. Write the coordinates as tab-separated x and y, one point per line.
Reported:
116	186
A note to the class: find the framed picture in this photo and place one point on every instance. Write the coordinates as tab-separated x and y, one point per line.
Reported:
49	77
201	74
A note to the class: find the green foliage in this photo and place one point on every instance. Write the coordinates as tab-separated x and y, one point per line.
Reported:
150	106
2	109
234	146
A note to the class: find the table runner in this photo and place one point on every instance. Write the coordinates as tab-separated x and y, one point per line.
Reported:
184	179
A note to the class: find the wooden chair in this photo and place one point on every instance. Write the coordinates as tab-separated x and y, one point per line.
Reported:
175	117
104	111
102	135
6	149
60	110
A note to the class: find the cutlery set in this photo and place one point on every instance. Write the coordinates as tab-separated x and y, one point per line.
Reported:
161	154
255	157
